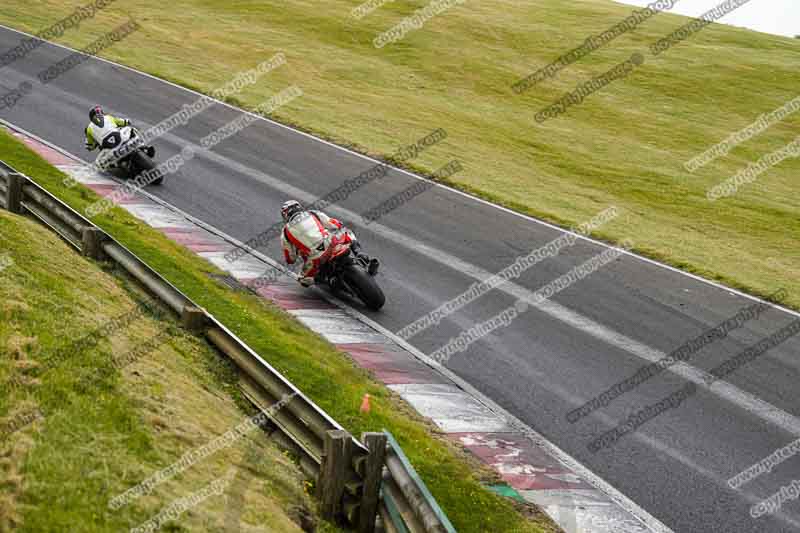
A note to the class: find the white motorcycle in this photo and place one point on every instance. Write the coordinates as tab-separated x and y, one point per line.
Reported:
121	150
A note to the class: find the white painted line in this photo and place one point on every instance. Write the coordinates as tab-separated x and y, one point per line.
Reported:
338	327
452	409
415	176
582	497
578	511
85	175
157	217
247	268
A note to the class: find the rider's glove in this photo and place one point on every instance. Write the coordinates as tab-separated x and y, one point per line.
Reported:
89	146
306	281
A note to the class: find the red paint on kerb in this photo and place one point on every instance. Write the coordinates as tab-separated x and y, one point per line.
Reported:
520	462
291	296
208	247
53	157
197	240
390	363
105	190
101	188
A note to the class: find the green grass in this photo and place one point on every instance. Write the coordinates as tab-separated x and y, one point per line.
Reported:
625	145
326	375
104	427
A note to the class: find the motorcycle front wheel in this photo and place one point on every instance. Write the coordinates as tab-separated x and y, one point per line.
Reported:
365	287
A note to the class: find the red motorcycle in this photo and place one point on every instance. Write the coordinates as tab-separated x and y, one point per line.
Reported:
346	271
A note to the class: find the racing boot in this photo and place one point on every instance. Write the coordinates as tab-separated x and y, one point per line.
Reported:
372	269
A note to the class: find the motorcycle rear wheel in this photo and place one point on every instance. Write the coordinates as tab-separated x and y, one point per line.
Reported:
142	163
365	287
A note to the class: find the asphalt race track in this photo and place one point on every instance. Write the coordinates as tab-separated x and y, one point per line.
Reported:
548	361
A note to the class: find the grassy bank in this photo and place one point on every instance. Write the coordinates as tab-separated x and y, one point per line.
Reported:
87	409
329	377
625	145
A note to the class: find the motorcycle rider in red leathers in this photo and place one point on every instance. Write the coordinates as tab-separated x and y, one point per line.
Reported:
306	234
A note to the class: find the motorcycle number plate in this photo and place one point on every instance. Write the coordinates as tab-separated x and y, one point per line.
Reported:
112	139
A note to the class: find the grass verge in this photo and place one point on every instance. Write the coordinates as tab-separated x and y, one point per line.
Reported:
624	146
326	375
86	412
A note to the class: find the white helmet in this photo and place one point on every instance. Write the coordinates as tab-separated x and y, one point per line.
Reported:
289	208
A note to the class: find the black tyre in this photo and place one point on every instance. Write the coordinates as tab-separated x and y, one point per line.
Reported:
365	287
142	163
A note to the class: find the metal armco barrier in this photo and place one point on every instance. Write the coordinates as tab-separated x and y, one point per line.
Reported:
364	486
407	503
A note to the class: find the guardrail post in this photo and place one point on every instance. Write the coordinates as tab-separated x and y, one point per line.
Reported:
373	475
193	318
92	238
14	193
336	457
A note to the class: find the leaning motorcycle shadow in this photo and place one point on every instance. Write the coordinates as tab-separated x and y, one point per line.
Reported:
347	298
142	178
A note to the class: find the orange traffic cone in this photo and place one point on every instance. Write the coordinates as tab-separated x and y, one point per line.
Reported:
365	404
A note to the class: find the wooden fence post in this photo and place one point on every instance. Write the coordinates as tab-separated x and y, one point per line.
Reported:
92	239
336	458
14	193
193	318
373	475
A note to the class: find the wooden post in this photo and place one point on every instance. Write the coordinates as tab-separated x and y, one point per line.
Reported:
373	475
336	457
14	193
193	318
92	239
